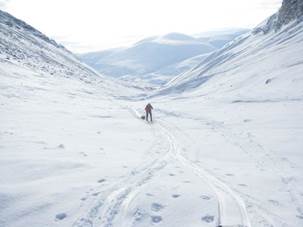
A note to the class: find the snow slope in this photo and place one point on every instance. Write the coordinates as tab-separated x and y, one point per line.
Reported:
263	64
22	44
75	152
237	116
153	57
218	38
58	123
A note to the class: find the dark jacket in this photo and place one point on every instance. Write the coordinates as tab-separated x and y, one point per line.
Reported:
148	107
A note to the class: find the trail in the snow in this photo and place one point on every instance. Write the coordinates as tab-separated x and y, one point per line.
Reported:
103	210
116	201
231	208
263	158
113	207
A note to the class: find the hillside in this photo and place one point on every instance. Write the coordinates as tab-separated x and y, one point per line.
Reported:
236	115
156	59
22	44
264	64
58	118
224	147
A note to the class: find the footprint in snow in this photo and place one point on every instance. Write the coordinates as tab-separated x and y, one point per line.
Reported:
156	219
83	154
101	180
96	193
61	216
274	202
171	174
243	185
156	207
61	146
83	222
139	215
149	194
299	216
229	174
175	195
208	218
205	197
187	182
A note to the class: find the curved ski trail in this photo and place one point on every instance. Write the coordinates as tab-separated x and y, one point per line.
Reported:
231	207
113	209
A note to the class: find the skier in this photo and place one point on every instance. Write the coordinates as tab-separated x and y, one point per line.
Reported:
148	111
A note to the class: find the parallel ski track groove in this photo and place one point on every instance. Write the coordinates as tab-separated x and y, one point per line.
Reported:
216	185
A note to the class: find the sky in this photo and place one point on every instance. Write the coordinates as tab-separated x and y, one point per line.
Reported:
92	25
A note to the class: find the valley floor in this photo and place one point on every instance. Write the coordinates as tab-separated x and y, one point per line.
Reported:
73	155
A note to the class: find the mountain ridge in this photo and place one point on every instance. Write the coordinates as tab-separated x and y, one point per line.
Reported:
150	56
237	58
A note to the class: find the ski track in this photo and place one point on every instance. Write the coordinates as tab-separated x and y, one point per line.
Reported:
263	159
227	198
104	211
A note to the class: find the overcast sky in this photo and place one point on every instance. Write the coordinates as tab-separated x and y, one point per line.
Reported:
90	25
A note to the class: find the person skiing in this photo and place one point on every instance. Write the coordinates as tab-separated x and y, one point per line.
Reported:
148	111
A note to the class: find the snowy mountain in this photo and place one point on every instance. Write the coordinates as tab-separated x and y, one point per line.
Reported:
267	61
237	116
224	148
156	59
53	110
22	44
219	38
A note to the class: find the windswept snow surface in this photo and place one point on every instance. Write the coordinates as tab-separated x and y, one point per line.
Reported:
74	151
64	145
73	155
238	117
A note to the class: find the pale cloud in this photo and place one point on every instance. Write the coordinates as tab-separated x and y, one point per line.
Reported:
86	25
3	4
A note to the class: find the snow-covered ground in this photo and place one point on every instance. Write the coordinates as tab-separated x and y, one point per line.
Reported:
226	151
72	155
254	149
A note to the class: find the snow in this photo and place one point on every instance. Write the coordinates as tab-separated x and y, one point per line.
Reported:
57	138
225	147
156	60
253	67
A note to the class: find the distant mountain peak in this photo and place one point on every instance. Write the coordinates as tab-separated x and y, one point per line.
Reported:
177	36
